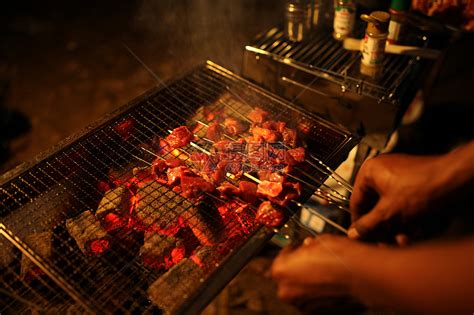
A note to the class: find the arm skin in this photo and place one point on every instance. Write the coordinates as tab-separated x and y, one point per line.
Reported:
396	188
428	279
432	278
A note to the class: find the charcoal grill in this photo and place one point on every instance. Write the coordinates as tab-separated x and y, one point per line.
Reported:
323	77
65	183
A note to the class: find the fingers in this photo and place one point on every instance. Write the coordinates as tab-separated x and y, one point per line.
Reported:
364	196
367	223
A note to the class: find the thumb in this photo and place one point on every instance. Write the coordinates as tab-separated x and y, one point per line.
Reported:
368	222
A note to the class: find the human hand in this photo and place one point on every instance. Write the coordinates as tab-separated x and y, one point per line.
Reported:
318	269
392	190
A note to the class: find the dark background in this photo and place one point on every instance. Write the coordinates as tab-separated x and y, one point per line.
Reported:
63	64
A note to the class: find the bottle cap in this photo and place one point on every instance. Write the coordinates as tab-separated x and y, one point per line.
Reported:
400	5
378	22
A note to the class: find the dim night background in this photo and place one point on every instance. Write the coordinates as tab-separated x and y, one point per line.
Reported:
63	64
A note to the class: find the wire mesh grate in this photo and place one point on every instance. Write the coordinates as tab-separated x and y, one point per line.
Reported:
107	237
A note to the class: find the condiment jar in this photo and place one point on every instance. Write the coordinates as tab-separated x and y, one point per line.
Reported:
374	42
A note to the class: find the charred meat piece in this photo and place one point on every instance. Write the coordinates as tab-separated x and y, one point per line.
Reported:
201	162
175	174
258	115
295	156
228	191
234	127
269	189
41	244
248	191
193	186
179	137
180	281
90	236
275	125
214	132
290	137
125	128
270	216
291	191
156	247
158	208
115	201
266	134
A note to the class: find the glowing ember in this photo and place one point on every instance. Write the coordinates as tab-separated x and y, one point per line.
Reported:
99	246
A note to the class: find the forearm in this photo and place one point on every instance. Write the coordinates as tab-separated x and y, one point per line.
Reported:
432	278
459	169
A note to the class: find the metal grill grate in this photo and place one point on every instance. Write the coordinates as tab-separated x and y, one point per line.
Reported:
39	201
328	59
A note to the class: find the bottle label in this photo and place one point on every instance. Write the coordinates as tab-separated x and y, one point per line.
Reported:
373	51
344	20
394	29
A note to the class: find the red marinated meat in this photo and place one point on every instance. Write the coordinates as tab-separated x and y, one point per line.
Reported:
228	191
214	132
258	115
295	156
223	145
159	168
257	153
179	137
160	146
277	177
199	160
291	191
231	166
234	127
193	186
266	134
125	128
275	125
248	191
269	215
176	173
289	137
213	114
269	189
264	174
174	162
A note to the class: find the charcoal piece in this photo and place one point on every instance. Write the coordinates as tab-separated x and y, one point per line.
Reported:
205	257
89	235
45	212
205	222
171	290
159	206
117	200
41	244
155	248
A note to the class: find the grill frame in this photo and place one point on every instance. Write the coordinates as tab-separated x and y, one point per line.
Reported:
321	76
233	264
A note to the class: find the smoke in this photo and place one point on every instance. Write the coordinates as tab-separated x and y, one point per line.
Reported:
187	32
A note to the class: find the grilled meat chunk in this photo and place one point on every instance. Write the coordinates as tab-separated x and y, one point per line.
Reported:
258	115
214	132
295	156
234	127
269	189
270	216
179	137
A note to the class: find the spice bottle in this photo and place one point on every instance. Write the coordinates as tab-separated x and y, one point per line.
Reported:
344	18
298	19
374	42
398	11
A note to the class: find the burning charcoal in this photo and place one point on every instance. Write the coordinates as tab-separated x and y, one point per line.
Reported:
158	207
89	235
170	290
205	222
40	243
205	257
156	247
115	201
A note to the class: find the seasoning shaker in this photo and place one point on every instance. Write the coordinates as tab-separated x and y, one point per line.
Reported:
344	18
373	48
398	11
